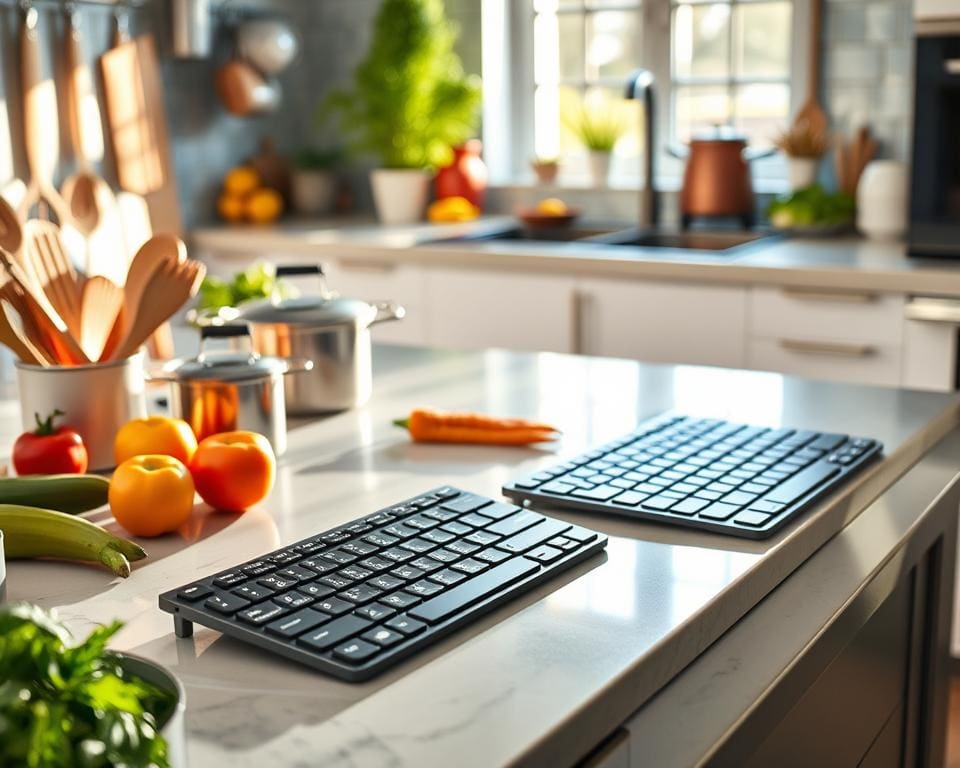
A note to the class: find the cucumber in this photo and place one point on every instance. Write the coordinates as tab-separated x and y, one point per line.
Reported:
63	493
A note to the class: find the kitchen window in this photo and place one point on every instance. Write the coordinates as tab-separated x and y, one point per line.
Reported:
730	62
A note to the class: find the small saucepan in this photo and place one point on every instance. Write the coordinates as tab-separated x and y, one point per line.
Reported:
226	390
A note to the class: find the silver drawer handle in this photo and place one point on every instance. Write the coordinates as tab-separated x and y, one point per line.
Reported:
812	294
366	265
836	349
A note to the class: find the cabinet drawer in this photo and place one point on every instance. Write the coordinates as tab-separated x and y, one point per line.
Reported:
856	362
826	315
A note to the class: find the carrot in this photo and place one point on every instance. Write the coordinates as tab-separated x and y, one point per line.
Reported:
428	426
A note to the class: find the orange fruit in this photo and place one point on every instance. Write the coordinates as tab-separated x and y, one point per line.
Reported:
151	495
264	205
231	207
242	180
552	206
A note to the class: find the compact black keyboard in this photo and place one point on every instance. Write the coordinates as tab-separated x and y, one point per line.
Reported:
356	599
703	473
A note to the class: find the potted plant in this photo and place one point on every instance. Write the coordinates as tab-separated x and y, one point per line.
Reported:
314	183
803	147
409	104
545	168
599	128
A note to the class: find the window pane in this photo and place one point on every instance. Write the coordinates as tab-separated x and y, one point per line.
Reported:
699	107
543	6
613	43
762	110
546	57
571	46
546	121
701	40
762	34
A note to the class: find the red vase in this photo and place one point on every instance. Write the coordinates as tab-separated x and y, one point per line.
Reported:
466	176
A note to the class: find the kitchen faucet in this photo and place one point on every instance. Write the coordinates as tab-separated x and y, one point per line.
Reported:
640	86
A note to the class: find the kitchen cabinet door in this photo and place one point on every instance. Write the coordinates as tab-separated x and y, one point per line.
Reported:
663	322
474	309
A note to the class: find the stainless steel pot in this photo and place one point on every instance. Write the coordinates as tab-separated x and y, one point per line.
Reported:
331	331
221	391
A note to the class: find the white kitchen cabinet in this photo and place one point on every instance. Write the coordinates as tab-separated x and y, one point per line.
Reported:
473	309
663	322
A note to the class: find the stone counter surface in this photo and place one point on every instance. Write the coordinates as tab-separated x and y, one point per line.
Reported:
542	680
849	263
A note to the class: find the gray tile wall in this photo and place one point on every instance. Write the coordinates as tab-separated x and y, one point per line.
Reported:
868	69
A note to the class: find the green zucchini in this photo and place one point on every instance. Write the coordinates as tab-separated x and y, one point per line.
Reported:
63	493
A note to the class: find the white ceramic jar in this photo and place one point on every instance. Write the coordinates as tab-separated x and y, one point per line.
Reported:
882	200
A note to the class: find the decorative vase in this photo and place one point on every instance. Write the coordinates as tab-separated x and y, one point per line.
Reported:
882	200
399	194
466	176
313	191
801	172
599	167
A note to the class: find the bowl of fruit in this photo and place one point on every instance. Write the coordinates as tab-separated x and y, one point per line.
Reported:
550	213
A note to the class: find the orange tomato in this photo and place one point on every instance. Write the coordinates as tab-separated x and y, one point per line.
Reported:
234	470
155	435
151	495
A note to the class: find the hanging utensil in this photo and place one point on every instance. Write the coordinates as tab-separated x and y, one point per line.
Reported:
811	114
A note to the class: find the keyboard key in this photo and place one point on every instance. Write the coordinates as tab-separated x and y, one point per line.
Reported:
719	511
600	493
381	539
258	568
382	636
476	589
447	577
406	626
629	499
562	542
437	536
230	579
375	611
660	503
377	563
355	572
471	566
262	613
401	531
558	487
423	588
440	515
456	528
739	498
426	564
421	522
483	538
828	442
399	555
359	548
533	536
361	593
466	503
445	492
296	573
297	623
334	632
689	506
766	506
386	582
315	589
751	518
284	556
499	510
445	555
356	651
400	600
194	592
407	572
337	581
335	537
317	565
338	556
417	546
492	556
462	547
334	606
474	520
516	523
579	534
545	554
225	603
294	599
801	484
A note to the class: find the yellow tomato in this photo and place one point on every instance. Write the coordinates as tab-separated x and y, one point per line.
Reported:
552	206
264	205
155	435
151	495
452	209
242	180
231	207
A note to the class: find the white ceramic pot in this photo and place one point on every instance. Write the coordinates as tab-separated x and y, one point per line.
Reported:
801	172
400	194
599	168
313	191
269	44
882	200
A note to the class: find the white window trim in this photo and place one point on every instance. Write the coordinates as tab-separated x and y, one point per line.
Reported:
508	117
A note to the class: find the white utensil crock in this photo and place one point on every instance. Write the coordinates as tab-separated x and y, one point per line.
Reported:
96	400
400	194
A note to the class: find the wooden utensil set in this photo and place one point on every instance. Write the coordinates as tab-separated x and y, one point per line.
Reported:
52	315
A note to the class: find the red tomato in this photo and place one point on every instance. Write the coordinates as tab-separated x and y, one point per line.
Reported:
50	450
233	470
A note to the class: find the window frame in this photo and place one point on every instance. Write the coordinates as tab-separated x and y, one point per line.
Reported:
508	110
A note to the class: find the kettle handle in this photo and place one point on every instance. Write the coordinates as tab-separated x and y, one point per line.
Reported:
678	151
386	311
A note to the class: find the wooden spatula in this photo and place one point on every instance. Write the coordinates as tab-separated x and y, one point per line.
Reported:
811	114
14	337
53	270
102	302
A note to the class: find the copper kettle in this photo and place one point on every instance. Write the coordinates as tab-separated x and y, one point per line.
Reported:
716	181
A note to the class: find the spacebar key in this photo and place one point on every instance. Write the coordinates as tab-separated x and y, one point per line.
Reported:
475	590
801	484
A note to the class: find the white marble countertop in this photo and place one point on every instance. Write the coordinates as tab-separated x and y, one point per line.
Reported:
849	263
542	680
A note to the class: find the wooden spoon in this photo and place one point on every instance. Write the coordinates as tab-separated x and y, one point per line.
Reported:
102	302
11	235
153	254
811	114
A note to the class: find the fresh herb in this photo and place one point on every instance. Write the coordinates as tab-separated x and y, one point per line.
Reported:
257	282
310	159
64	705
411	100
812	207
597	126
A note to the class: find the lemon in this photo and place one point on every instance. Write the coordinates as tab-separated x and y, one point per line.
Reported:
451	209
231	207
552	206
264	206
242	180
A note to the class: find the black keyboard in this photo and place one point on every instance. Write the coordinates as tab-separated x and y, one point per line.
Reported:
703	473
356	599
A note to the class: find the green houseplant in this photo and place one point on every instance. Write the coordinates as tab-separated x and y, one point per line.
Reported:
410	102
598	127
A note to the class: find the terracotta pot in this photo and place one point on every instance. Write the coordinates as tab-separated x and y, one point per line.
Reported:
466	176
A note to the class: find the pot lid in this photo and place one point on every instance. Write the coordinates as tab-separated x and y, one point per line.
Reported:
313	311
233	367
720	133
